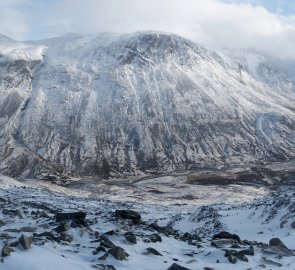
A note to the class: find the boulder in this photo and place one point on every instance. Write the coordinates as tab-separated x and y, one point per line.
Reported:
232	259
153	238
25	242
104	267
119	253
62	228
190	237
221	243
234	255
249	251
2	223
15	212
130	237
104	256
153	251
226	235
70	216
6	250
128	214
66	237
106	242
176	266
277	246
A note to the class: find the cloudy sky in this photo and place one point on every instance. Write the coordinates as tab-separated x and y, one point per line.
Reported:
267	25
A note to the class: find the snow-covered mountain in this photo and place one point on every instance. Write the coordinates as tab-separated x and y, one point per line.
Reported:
95	105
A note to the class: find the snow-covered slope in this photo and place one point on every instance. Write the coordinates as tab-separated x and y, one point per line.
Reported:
137	102
181	233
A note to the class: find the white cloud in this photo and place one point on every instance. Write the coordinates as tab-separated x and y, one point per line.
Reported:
13	22
213	23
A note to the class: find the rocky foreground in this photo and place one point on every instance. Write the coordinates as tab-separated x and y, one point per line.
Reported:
59	228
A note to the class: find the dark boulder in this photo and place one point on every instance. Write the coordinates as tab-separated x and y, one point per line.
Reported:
176	266
226	235
128	214
70	216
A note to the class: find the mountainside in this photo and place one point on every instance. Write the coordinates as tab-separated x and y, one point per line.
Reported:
100	105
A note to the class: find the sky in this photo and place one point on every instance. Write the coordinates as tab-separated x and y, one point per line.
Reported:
266	25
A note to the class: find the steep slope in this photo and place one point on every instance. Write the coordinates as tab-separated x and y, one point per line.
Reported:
96	105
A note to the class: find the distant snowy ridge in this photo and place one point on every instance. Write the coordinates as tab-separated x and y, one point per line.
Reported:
148	101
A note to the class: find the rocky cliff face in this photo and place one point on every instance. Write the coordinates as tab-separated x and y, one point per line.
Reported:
98	105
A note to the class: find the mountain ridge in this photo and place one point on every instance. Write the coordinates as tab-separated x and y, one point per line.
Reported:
149	101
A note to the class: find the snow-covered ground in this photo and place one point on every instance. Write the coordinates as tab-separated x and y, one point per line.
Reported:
254	213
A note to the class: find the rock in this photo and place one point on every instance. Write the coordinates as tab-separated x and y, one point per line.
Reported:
190	237
5	236
6	250
66	237
176	266
104	256
17	212
270	262
100	249
104	267
128	214
62	228
111	232
208	268
25	241
153	238
119	253
81	222
276	242
28	229
153	251
293	225
232	259
48	235
12	230
221	243
226	235
106	242
233	255
249	251
96	234
166	230
14	244
2	223
70	216
130	237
